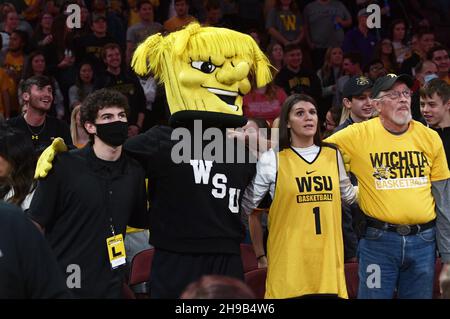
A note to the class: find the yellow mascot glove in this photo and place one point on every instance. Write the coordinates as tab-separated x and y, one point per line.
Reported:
346	159
44	164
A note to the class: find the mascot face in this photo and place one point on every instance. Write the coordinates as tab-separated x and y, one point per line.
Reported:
203	68
216	83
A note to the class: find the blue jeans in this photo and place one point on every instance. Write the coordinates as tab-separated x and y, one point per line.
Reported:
389	263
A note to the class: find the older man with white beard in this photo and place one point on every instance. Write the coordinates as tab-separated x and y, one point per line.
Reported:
404	187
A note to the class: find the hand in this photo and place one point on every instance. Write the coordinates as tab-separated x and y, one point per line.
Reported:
48	39
44	164
346	159
262	262
339	20
133	130
444	280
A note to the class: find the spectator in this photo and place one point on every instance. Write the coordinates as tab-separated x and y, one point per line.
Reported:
17	164
140	31
36	64
84	84
275	53
41	129
384	51
12	64
115	26
357	107
312	230
79	135
331	121
43	40
424	72
28	268
284	23
182	17
104	191
356	99
375	69
400	195
89	47
293	78
435	108
425	41
325	21
360	39
439	55
264	102
328	74
119	79
214	16
11	23
398	38
351	66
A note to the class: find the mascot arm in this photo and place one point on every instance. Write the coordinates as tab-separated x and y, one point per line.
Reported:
44	164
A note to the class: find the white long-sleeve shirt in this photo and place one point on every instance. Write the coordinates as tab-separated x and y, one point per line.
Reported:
266	172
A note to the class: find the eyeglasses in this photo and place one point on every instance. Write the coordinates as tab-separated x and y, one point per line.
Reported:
394	95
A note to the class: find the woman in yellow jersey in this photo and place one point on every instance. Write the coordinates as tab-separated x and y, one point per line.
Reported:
306	179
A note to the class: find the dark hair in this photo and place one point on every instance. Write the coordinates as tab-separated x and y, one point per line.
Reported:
293	6
217	287
23	37
422	31
394	23
100	99
28	67
110	46
212	5
40	81
284	131
418	68
354	57
291	47
438	86
18	150
391	57
82	93
434	49
140	3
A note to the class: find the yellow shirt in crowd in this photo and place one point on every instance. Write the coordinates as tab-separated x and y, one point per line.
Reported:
394	171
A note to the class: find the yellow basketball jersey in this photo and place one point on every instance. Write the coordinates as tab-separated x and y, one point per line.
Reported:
305	248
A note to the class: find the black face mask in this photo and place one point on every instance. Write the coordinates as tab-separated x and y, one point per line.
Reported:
114	133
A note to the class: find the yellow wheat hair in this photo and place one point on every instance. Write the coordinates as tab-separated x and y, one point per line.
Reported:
157	54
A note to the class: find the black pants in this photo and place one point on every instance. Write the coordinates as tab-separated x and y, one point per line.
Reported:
172	272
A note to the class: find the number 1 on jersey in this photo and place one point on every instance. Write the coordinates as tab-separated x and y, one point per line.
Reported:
316	212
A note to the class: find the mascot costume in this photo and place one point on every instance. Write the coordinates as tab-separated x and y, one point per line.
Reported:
195	225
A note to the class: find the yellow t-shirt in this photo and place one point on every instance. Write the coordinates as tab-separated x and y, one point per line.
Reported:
305	249
8	84
394	171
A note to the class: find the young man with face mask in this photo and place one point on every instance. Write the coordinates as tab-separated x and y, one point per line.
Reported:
88	199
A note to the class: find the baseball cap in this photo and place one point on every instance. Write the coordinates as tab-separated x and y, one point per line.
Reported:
356	85
386	82
363	12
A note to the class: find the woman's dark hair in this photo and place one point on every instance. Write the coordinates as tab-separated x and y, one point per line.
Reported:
284	131
396	22
82	91
18	150
28	67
